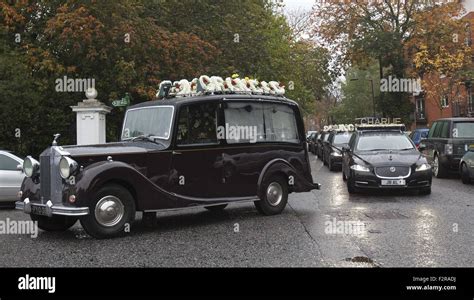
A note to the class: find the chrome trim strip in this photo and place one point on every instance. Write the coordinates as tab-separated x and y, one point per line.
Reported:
249	199
25	206
399	177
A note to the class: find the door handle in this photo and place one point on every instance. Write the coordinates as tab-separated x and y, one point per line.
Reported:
177	153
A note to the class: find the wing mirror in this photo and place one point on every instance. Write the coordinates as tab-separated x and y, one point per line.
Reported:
19	168
422	146
346	149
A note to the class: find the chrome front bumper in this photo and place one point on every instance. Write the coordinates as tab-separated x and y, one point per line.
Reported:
50	209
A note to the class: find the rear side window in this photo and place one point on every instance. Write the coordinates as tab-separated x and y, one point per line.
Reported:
280	123
463	130
197	124
263	121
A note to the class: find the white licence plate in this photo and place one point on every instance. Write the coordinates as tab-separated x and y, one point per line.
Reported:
394	182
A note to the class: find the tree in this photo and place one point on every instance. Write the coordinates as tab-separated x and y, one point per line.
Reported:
442	54
381	30
356	99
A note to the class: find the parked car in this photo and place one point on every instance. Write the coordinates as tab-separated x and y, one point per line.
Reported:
418	134
447	142
320	144
11	176
333	148
312	142
466	166
384	158
172	156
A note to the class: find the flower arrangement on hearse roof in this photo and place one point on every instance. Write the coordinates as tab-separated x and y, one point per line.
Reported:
205	85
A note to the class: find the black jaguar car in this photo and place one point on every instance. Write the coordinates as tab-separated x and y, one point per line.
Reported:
333	148
383	157
203	151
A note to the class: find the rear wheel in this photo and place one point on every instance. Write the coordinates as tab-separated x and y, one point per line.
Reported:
465	176
216	207
274	196
439	171
110	212
55	223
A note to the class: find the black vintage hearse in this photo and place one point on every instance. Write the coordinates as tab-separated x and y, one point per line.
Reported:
175	153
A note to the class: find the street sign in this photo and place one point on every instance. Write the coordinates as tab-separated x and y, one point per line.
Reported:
125	101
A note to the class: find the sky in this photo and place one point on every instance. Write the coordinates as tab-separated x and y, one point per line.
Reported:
295	4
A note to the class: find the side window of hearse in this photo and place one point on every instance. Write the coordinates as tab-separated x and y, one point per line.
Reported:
257	122
197	124
244	122
280	123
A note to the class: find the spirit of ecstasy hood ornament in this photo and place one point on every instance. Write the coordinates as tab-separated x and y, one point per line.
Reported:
55	140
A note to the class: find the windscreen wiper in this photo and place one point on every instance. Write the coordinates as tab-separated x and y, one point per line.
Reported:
145	137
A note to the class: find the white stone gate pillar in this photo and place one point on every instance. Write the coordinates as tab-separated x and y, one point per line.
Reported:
90	120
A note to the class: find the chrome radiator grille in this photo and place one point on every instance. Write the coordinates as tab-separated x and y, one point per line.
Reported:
392	171
45	177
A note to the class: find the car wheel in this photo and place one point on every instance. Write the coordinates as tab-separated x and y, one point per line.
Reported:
110	211
216	207
425	191
55	223
439	171
351	186
465	176
274	196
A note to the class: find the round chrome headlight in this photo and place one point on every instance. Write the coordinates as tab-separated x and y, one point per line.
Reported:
67	167
31	167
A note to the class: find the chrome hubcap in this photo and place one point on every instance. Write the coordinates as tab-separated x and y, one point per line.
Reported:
109	211
274	194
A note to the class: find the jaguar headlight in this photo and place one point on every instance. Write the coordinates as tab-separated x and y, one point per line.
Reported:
360	168
67	167
31	167
423	167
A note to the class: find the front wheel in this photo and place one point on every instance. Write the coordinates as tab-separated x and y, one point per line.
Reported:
111	212
274	196
465	176
55	223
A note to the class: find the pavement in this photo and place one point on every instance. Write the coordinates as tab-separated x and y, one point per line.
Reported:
322	228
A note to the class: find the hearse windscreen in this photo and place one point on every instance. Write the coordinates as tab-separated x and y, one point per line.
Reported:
152	121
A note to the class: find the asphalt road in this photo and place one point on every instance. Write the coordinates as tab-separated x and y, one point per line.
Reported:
395	230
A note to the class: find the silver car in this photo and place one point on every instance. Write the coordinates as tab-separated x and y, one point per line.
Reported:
11	176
